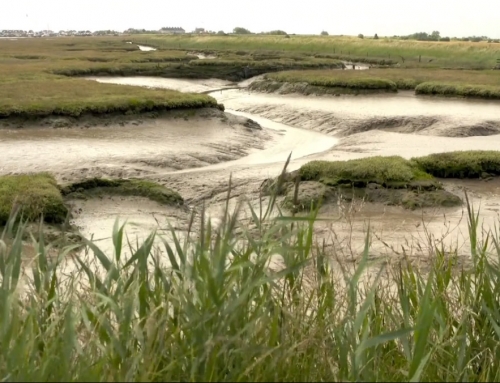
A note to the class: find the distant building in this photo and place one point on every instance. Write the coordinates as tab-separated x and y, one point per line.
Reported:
172	31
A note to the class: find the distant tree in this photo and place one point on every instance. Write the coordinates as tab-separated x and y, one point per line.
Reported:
361	36
435	36
276	32
241	31
375	37
221	33
444	39
324	33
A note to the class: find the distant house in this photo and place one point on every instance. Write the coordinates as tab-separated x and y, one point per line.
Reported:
172	31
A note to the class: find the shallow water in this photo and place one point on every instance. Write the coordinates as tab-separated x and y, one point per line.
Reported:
184	85
145	48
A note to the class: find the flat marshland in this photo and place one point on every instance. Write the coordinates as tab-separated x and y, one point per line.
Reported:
231	267
29	87
453	54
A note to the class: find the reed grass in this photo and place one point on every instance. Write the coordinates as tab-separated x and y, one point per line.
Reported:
218	313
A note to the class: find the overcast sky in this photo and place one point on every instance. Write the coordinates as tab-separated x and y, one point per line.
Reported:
349	17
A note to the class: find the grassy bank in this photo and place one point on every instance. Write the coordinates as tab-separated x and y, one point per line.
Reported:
232	70
218	314
71	97
409	53
477	84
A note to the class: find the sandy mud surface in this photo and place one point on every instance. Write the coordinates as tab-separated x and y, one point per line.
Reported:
138	147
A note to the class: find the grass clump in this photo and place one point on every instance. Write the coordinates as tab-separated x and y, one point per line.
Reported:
455	90
123	187
34	195
461	164
388	171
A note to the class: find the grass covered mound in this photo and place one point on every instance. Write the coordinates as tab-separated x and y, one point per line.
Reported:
388	180
464	164
137	188
73	97
35	195
388	171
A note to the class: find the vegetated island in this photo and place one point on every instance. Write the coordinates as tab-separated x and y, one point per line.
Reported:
391	180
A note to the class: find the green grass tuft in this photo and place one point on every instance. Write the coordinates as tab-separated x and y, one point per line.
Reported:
35	195
381	170
461	164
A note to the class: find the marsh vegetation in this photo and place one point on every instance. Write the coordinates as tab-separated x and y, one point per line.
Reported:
260	293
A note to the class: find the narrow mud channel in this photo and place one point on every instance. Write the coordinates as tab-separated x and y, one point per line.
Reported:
196	155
